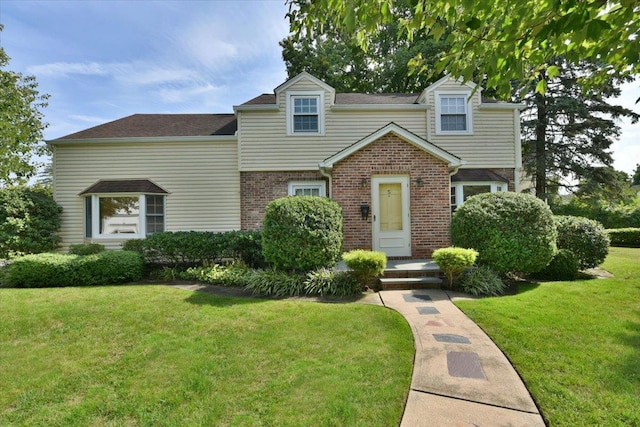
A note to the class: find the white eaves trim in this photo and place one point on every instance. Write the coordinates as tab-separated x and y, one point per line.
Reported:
453	161
470	85
144	140
379	107
256	107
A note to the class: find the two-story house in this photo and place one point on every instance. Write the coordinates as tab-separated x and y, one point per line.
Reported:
398	164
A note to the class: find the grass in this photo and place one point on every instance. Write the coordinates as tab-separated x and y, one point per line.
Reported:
576	344
154	355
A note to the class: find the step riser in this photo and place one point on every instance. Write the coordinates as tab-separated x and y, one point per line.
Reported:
404	286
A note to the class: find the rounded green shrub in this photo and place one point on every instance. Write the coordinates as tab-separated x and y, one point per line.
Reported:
453	261
482	280
366	265
586	238
512	232
302	233
563	266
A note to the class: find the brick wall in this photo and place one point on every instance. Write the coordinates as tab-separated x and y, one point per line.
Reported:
429	199
257	189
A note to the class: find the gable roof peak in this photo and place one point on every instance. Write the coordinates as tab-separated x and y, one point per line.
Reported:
304	76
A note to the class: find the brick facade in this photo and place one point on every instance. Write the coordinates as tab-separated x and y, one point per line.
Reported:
257	189
429	193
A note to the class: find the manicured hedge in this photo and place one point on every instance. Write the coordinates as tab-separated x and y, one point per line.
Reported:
302	233
513	233
563	266
626	237
86	249
366	265
53	270
453	261
191	248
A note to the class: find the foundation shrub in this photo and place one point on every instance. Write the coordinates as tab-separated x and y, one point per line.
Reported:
86	249
563	266
482	281
628	237
53	270
366	265
453	261
586	238
302	233
512	232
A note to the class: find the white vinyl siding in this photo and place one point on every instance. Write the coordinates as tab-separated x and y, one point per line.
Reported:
201	177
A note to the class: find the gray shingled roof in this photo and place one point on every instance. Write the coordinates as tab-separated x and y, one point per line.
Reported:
477	175
161	125
124	186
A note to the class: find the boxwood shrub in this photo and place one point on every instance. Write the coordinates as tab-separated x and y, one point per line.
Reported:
626	237
366	265
50	269
453	261
86	249
302	233
586	238
512	232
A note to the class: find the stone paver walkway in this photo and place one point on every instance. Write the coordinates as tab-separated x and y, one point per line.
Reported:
460	377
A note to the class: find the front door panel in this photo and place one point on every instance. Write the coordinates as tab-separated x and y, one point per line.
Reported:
391	220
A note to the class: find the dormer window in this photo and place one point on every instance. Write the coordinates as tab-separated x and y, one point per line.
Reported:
453	115
305	113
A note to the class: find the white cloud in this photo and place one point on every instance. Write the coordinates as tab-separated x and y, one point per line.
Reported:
65	69
186	94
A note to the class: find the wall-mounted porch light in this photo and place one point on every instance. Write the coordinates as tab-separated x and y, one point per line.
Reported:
364	211
419	182
363	182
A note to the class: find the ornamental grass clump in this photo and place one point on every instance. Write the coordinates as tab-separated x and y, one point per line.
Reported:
453	261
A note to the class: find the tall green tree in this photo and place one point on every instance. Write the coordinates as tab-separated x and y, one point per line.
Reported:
571	128
21	124
503	40
635	179
337	58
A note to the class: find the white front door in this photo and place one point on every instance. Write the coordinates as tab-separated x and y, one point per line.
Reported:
391	217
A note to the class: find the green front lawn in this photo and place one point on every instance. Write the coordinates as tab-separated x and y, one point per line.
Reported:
576	344
154	355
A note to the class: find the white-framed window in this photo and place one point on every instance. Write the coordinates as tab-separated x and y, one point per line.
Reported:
453	113
461	191
305	113
308	188
132	216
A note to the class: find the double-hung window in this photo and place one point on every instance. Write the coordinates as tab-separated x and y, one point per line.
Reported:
305	113
452	113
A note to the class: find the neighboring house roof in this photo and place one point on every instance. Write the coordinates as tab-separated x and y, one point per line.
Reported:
143	186
161	125
451	159
477	175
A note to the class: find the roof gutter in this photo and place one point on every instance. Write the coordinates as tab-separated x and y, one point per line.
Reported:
143	140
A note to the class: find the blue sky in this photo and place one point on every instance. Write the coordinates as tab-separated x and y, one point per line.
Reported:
102	60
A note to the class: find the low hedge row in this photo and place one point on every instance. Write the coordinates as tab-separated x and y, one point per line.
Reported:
626	237
53	270
190	248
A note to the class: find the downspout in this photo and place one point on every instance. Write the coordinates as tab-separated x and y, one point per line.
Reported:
323	171
518	151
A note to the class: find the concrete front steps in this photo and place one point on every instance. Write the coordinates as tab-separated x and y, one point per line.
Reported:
411	274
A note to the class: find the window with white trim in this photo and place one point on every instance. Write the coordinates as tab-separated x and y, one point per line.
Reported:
453	113
305	113
461	191
124	215
308	188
